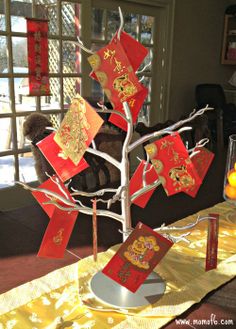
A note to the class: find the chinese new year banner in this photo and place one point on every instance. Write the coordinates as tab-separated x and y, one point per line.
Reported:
37	42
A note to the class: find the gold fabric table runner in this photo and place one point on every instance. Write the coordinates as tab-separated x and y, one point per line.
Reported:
62	298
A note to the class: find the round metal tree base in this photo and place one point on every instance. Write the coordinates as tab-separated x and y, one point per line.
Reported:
110	292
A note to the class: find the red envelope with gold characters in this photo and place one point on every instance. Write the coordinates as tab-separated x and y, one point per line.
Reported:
201	161
115	73
64	167
77	130
61	222
136	183
57	234
134	50
171	161
135	103
137	257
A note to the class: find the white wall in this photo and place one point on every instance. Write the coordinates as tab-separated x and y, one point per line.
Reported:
197	40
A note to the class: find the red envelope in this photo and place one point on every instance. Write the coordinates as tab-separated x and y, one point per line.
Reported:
115	73
175	169
201	161
135	104
134	50
136	183
64	168
137	257
57	234
77	130
61	222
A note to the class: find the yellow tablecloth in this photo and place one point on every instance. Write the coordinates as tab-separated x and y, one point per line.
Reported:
62	298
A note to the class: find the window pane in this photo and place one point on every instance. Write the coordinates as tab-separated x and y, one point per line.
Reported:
7	171
54	60
98	23
25	103
4	96
21	140
27	171
144	114
146	81
52	102
71	58
2	16
3	54
71	88
19	49
55	120
113	23
5	134
147	61
70	18
131	24
49	12
147	23
19	10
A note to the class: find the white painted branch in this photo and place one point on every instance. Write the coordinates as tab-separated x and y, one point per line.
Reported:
88	211
105	156
104	109
173	127
164	228
145	189
93	194
72	206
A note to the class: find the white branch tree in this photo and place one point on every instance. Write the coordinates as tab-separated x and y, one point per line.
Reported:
122	193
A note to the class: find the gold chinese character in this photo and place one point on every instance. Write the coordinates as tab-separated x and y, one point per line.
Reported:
37	36
118	67
109	54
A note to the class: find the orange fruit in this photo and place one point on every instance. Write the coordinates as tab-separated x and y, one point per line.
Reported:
230	192
232	178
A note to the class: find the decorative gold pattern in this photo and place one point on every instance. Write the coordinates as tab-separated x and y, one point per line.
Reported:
58	238
151	150
142	251
95	61
102	77
72	134
158	165
124	86
181	177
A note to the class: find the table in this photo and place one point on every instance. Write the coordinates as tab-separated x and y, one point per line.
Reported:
62	298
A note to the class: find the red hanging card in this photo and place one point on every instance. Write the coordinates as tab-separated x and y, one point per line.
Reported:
61	222
78	128
136	183
212	242
115	73
64	168
57	234
170	159
134	50
135	103
37	42
201	161
137	257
